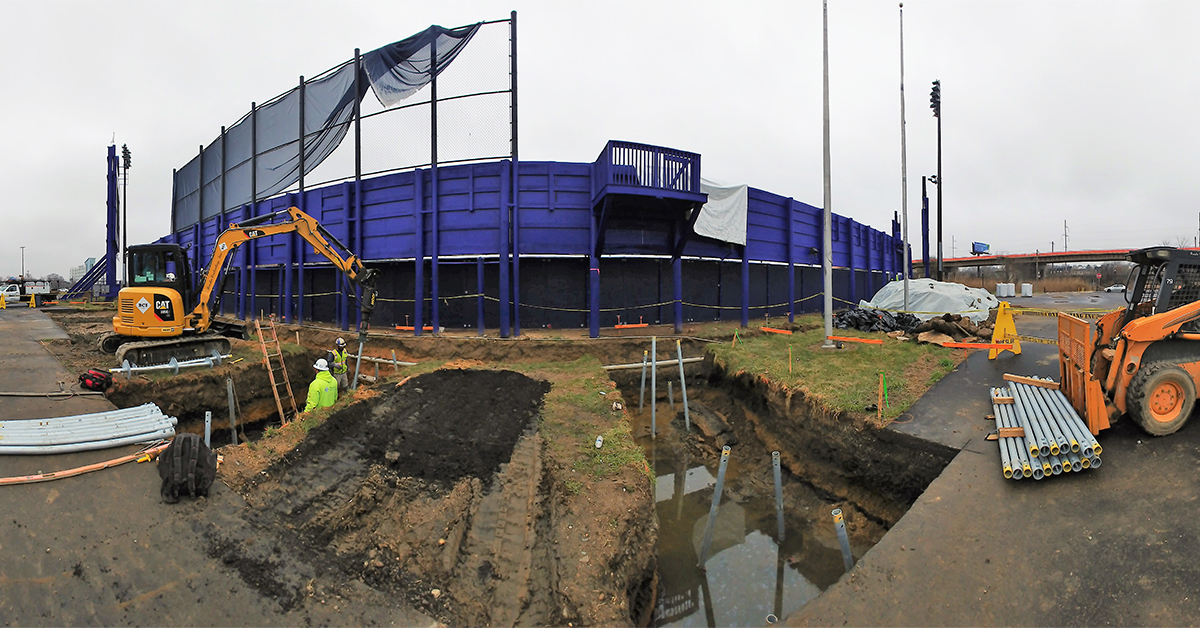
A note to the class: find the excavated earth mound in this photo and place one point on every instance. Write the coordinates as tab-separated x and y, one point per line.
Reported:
430	492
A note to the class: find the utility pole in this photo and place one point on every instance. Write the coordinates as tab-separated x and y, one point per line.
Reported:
827	235
1065	236
903	167
935	103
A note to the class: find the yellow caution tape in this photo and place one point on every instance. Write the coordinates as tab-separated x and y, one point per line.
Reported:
1081	313
1035	339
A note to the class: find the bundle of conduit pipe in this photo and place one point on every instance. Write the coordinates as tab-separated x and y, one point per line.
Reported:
83	432
1055	439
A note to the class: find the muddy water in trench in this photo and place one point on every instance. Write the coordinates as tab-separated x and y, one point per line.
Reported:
749	574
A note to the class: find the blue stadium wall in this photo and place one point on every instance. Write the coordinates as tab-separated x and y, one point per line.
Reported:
534	256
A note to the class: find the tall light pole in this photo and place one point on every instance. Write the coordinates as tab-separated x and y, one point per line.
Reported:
935	103
127	161
903	166
827	235
22	263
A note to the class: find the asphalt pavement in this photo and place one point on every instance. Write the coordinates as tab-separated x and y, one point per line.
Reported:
1115	545
102	548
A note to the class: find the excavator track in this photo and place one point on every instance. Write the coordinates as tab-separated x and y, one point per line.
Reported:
150	352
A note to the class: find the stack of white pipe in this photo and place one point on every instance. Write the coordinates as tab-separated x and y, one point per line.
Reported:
83	432
1056	439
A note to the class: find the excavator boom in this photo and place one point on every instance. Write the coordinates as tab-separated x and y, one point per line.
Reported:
302	225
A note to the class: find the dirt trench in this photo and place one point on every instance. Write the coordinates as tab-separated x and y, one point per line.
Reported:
881	472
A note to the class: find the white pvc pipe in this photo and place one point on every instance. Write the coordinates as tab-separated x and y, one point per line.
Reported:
97	433
638	365
88	446
13	428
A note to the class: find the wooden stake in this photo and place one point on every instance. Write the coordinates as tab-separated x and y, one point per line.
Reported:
879	405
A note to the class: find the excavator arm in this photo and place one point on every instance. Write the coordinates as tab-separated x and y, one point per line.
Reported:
306	227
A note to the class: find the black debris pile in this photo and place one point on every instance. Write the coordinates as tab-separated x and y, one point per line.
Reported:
874	320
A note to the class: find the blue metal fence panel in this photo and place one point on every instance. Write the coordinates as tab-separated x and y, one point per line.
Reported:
557	205
766	226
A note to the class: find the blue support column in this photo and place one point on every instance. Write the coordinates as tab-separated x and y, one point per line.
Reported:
677	278
300	272
349	220
745	288
253	287
851	227
358	245
287	269
243	270
419	254
221	286
516	246
435	296
479	291
113	216
593	280
791	258
505	304
925	230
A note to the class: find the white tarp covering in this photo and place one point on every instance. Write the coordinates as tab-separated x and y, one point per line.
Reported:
723	217
928	298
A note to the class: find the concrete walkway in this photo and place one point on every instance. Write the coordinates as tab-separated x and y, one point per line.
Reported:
1115	545
102	548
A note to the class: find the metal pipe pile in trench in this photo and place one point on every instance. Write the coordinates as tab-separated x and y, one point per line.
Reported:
1056	439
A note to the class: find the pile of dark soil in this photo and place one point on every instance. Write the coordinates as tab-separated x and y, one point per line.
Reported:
441	426
430	492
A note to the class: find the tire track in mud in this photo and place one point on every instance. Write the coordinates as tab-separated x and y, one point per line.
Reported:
499	552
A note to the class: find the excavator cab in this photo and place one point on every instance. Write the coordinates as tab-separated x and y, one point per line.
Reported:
1142	360
157	295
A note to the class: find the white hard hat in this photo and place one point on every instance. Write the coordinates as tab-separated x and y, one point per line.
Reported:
321	365
339	342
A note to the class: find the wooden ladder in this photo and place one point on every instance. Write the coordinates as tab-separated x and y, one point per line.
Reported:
268	345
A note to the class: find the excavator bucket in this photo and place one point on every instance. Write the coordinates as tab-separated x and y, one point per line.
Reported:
1079	384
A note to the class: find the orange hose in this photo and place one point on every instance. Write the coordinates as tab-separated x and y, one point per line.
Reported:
869	341
57	475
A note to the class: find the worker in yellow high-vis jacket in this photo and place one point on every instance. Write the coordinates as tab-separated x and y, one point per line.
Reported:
322	392
338	364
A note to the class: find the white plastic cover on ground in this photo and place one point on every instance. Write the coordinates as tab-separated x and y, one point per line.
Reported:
928	298
723	217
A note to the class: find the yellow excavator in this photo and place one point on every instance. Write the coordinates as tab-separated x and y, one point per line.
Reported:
159	317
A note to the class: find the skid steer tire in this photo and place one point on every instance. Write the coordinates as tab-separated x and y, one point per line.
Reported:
1161	398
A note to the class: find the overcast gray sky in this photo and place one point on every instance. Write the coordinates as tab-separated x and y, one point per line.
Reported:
1077	111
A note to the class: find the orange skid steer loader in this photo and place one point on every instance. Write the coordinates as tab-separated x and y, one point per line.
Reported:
1142	360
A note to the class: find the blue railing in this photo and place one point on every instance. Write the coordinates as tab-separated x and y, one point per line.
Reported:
629	164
